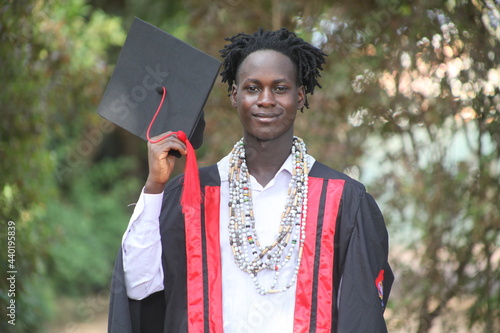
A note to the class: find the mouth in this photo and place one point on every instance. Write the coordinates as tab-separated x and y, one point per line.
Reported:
265	117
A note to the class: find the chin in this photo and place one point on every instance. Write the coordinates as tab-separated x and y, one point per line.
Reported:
267	136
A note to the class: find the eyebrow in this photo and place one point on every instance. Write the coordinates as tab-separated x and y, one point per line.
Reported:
251	80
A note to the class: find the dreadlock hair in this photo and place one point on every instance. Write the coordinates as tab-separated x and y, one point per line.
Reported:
307	59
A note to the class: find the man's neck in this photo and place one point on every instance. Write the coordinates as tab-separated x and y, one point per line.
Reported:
265	158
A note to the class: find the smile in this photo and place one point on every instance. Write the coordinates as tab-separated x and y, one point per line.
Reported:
266	117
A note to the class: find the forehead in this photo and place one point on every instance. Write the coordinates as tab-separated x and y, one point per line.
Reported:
267	63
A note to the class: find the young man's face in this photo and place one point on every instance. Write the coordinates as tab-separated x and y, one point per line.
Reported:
267	95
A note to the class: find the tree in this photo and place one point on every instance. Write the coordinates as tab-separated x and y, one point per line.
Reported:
410	106
420	79
426	78
53	70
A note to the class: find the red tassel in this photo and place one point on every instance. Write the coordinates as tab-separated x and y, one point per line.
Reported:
191	193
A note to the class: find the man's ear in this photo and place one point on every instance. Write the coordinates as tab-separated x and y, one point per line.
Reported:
234	92
302	98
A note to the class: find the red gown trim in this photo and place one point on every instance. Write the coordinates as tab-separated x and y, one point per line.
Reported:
314	295
212	203
204	267
195	296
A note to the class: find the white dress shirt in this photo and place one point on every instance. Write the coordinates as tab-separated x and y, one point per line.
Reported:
244	309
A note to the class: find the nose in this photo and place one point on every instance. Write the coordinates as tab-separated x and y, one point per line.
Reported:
266	99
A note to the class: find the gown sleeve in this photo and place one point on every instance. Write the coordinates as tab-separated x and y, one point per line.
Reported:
127	315
142	250
366	277
119	317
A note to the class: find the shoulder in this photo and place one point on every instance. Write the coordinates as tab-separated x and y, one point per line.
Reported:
320	170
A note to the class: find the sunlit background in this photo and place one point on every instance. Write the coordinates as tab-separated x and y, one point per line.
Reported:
410	106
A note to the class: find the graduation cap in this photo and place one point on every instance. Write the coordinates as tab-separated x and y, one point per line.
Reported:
159	84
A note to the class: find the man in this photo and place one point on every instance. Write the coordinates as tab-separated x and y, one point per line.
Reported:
281	243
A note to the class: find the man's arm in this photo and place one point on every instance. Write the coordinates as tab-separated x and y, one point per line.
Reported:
141	248
141	244
367	277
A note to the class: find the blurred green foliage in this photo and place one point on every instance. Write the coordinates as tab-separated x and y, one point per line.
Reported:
87	223
410	105
53	67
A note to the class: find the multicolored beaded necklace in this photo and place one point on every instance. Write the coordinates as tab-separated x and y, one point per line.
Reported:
249	255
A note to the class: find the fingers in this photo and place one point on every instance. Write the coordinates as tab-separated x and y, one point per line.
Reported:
166	142
161	164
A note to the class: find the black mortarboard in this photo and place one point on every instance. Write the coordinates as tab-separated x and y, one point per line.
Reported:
151	59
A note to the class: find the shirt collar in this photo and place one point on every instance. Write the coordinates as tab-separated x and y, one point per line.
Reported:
287	166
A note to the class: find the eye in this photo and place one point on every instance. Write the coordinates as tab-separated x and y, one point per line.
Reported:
252	88
281	89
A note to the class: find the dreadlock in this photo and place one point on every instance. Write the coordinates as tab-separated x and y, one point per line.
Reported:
307	58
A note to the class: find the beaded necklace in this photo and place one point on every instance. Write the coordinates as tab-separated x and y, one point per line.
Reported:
248	254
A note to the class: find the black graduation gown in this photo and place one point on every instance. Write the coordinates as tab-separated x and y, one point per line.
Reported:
346	243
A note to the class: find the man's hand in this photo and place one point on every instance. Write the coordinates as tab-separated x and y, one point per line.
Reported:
161	164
